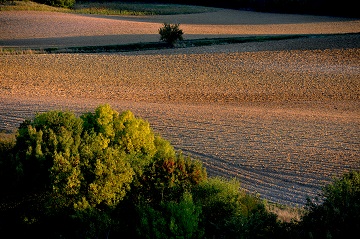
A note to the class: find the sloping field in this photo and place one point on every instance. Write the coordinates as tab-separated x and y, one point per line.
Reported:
50	29
283	117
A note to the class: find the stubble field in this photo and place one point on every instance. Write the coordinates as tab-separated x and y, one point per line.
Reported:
281	116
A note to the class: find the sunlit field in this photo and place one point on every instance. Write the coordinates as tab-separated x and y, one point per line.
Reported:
281	116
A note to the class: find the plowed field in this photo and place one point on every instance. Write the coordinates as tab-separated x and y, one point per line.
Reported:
281	116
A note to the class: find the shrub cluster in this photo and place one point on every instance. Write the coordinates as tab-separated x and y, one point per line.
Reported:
171	33
336	214
57	3
107	175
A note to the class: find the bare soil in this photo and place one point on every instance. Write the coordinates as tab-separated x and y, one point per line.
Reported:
281	116
44	29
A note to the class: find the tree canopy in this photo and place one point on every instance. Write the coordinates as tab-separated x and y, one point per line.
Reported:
105	174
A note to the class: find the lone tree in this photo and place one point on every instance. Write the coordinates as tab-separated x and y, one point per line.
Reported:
170	33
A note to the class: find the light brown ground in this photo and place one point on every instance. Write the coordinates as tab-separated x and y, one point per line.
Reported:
283	116
43	29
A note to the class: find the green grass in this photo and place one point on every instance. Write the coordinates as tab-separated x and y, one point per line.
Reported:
19	51
143	46
118	8
108	8
29	6
146	45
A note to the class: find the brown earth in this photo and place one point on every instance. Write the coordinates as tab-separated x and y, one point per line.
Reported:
281	116
43	29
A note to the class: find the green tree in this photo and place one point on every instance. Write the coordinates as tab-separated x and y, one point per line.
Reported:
84	165
51	138
169	176
171	220
229	212
58	3
104	173
171	33
7	167
336	214
92	223
220	200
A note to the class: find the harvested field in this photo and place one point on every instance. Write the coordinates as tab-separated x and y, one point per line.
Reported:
282	116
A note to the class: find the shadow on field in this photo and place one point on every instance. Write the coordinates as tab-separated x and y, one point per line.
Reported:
231	17
78	41
129	43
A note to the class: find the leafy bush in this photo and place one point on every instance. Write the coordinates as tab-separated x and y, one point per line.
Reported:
58	3
90	160
220	199
106	173
256	223
168	178
82	165
51	138
171	220
78	169
171	33
228	212
336	214
7	167
92	223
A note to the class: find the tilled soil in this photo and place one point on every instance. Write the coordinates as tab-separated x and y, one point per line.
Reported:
51	29
283	117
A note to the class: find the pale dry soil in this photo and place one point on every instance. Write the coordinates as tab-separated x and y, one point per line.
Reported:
44	29
281	116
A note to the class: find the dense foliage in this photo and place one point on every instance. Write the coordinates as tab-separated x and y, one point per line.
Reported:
170	33
336	214
57	3
107	175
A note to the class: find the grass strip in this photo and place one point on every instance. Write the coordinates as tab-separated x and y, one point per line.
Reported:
235	40
109	48
136	8
109	8
143	46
